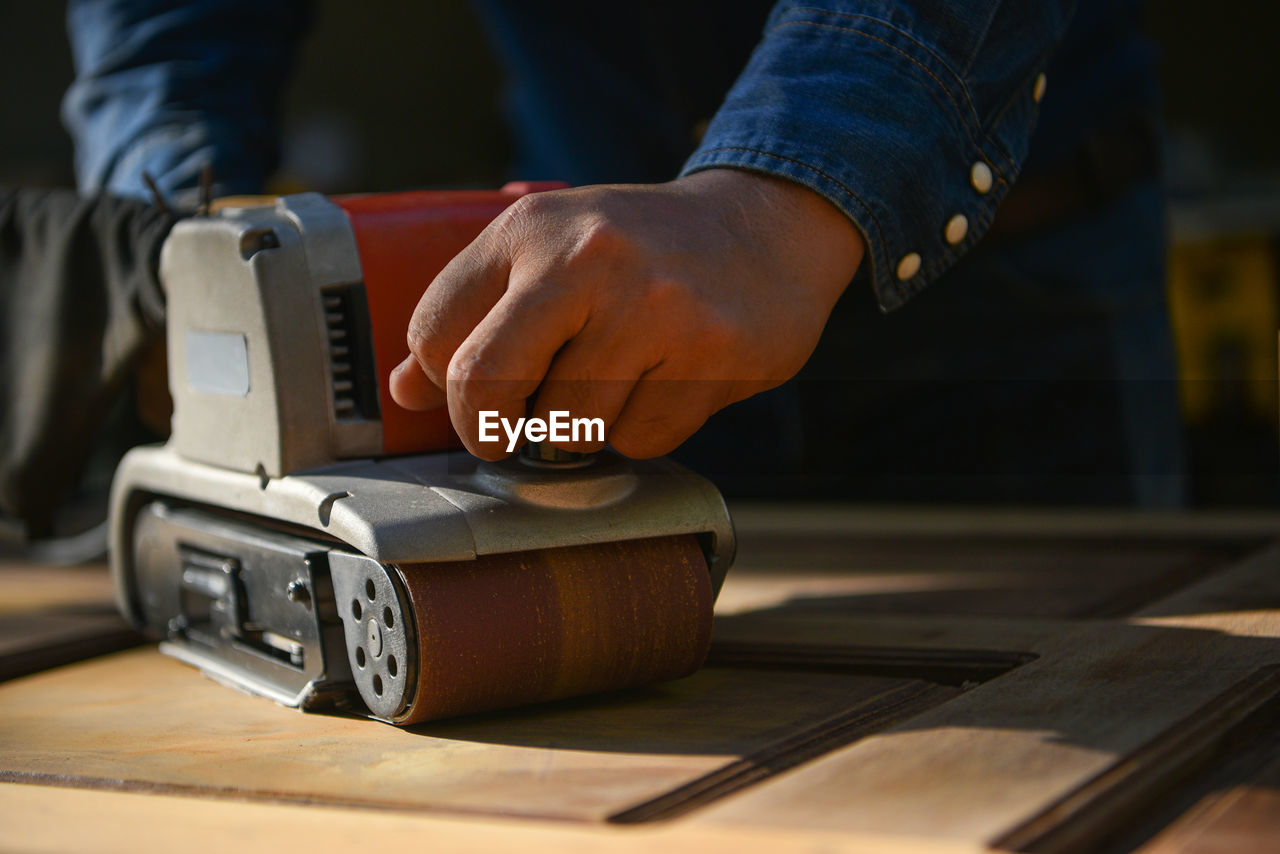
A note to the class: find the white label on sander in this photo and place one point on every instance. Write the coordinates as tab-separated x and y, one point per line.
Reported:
217	362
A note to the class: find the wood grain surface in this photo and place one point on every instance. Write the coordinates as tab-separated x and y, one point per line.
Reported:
1005	575
1243	818
40	819
54	615
25	587
985	763
1227	806
140	721
879	681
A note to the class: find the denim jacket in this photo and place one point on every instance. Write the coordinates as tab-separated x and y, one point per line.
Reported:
913	117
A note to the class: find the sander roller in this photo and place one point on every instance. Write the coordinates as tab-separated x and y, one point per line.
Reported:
302	537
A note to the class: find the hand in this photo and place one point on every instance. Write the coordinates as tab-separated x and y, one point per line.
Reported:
650	306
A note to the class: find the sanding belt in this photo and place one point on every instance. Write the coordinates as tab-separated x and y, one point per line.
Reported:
512	629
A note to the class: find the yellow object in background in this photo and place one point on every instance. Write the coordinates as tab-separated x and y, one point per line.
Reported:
1223	306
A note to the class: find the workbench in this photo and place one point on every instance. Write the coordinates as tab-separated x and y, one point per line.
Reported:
879	680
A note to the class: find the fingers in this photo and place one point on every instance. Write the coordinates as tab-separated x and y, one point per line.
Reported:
505	358
664	410
591	378
411	388
648	308
552	332
451	307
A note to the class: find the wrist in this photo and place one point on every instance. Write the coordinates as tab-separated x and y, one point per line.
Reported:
797	229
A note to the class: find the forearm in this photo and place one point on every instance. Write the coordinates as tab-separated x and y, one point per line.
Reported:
166	88
800	231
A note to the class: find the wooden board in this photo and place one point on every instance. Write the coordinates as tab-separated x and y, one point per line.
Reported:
54	615
138	720
1030	756
890	682
1232	800
25	587
1244	817
37	818
978	572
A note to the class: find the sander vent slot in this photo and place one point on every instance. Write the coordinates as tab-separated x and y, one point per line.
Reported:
355	383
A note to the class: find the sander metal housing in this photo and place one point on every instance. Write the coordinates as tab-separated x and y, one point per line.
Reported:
302	537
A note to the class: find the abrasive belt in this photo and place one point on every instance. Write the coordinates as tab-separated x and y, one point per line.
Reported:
510	629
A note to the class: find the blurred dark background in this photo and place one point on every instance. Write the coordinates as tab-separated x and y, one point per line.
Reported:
393	94
396	95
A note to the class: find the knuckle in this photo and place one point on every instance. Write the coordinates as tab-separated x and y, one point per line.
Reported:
530	204
420	336
717	332
518	217
476	395
601	237
479	384
468	367
666	296
425	343
474	384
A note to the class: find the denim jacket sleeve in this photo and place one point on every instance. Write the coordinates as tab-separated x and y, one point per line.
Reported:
164	87
913	118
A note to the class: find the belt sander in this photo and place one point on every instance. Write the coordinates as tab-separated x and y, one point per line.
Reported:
302	537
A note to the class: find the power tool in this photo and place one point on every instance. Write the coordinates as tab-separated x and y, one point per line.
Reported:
302	537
